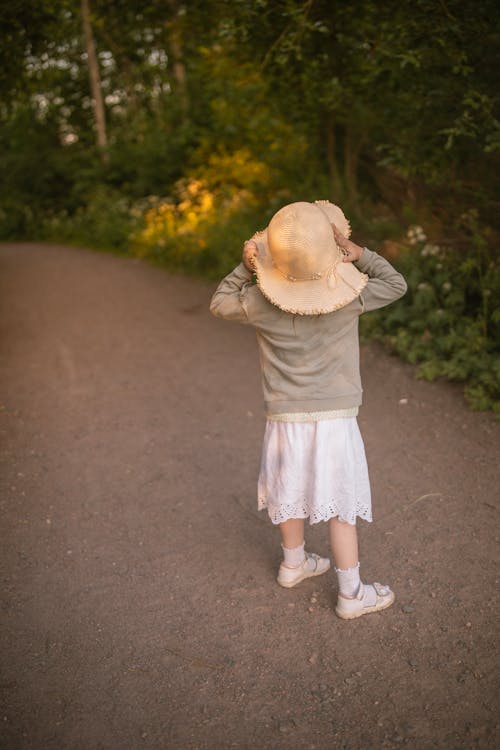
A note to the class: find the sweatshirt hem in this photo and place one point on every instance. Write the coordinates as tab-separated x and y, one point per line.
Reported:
329	404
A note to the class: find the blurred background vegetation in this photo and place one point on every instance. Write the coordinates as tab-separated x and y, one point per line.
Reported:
174	130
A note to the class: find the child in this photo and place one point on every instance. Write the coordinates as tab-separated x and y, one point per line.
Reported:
313	283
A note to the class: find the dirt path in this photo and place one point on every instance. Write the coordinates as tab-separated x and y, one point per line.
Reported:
140	608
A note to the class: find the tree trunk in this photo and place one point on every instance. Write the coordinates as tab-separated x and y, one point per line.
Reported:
95	82
177	54
331	157
179	70
352	148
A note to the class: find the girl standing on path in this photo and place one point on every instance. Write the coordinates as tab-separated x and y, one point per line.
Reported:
313	283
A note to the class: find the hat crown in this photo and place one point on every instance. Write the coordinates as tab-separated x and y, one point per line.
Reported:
299	266
301	241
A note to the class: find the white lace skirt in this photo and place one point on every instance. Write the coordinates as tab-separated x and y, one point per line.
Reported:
314	470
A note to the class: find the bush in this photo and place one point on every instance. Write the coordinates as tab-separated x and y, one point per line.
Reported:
201	228
105	221
447	323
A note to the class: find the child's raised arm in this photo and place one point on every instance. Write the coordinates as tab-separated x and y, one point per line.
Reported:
227	301
385	284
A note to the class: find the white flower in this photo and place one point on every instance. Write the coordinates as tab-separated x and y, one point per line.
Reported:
446	286
430	250
423	285
415	234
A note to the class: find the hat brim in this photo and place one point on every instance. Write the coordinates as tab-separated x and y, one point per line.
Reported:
335	215
314	296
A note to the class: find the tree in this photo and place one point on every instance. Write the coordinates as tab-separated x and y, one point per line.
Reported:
95	81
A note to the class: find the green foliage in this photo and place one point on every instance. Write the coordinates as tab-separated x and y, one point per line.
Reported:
200	229
25	25
448	323
105	221
37	177
402	94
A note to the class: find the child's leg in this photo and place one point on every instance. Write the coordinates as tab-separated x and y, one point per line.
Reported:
344	543
297	563
292	542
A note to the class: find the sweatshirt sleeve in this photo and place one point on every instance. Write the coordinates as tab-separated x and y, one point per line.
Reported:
228	300
385	284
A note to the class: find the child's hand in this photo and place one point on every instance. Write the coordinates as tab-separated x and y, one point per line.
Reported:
350	251
250	252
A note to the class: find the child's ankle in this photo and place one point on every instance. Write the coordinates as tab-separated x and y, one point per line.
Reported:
293	558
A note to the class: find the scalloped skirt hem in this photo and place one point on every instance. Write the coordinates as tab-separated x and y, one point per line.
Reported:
277	515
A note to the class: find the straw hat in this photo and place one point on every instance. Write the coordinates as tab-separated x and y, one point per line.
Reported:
299	266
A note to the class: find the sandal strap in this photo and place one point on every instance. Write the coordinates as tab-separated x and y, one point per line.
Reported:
361	592
381	589
315	557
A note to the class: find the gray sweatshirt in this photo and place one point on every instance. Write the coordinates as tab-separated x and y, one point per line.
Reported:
309	363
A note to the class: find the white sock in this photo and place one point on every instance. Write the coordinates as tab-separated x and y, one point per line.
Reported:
349	580
294	557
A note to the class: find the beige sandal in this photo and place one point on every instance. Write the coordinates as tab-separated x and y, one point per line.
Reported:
348	609
313	565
